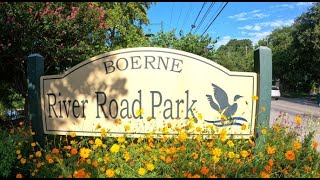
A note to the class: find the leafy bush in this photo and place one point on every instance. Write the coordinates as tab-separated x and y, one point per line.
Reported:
7	155
278	153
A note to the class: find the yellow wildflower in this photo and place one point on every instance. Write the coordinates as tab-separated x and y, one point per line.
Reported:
18	151
109	173
142	171
217	152
73	134
126	157
200	116
165	130
38	154
199	129
121	139
103	132
33	144
139	112
182	136
98	126
255	98
150	167
264	131
244	153
243	127
230	143
84	152
98	142
231	154
298	119
127	127
23	160
115	148
215	159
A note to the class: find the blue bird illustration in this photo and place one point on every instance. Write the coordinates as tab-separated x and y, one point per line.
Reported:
225	109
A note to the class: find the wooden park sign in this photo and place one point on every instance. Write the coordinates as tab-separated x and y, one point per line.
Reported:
147	88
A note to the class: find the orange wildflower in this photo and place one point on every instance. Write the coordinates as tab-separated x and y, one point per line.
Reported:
268	168
74	151
168	160
204	170
315	144
271	150
183	148
196	176
212	176
270	162
296	145
264	174
95	163
19	175
290	155
307	168
55	151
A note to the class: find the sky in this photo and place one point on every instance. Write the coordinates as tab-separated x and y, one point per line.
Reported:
237	20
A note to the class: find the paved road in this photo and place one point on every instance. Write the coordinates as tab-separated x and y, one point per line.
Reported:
285	110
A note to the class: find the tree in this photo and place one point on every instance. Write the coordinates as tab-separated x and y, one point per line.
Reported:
283	66
196	44
306	43
65	33
236	55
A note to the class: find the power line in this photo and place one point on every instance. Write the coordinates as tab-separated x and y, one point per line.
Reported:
179	16
171	13
214	15
214	19
193	25
204	17
188	13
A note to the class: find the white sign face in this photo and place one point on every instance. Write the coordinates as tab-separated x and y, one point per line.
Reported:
146	89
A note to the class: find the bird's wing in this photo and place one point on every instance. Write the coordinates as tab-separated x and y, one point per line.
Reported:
212	103
221	96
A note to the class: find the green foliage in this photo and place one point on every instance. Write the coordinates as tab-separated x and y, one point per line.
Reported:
64	33
306	43
282	154
236	55
295	52
196	44
7	155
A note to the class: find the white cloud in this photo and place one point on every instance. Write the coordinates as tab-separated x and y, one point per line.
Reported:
283	6
253	28
273	24
248	15
304	3
223	41
256	36
277	23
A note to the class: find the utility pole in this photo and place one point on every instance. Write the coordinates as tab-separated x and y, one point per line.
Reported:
150	33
